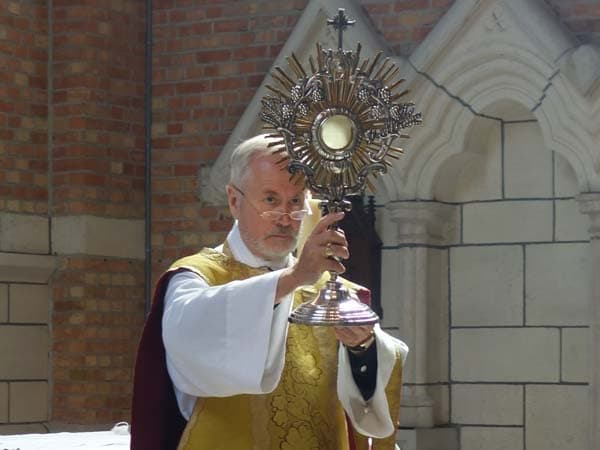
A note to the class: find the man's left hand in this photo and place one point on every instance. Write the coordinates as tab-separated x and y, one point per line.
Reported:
353	336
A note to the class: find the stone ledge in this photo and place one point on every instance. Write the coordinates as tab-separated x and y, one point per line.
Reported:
24	268
90	235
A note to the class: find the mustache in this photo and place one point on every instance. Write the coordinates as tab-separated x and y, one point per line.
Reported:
283	231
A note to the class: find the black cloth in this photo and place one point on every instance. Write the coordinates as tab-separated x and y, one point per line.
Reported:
364	370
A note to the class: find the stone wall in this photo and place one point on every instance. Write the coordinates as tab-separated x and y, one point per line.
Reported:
518	294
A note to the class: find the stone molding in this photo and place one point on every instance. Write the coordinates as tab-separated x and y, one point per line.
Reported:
24	233
23	268
423	224
100	236
428	223
589	204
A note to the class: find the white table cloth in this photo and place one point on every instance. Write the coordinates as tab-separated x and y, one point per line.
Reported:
95	440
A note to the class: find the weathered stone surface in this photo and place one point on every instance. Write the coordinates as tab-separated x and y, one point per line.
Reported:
23	233
571	225
575	355
487	285
507	221
3	402
28	401
29	303
505	354
557	417
527	162
496	438
3	303
24	352
557	284
98	236
486	404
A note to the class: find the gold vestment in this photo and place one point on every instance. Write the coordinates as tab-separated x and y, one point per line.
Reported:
303	412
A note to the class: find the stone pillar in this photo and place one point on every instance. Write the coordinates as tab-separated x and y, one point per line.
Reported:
589	204
420	227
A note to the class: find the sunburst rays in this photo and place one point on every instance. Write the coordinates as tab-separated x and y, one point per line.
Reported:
338	83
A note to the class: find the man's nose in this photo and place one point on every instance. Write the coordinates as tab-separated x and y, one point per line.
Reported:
285	219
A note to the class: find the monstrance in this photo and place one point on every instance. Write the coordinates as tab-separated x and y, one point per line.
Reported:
337	123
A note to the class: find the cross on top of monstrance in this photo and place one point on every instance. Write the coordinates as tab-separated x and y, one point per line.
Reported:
336	124
340	23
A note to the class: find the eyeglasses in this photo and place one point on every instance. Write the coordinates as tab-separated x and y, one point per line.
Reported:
276	215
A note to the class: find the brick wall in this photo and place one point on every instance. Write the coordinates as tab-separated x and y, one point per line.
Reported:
97	319
209	58
23	105
97	107
98	170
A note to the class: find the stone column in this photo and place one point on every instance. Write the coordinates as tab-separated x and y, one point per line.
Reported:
589	204
420	226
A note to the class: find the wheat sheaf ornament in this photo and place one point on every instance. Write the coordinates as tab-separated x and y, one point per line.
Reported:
338	121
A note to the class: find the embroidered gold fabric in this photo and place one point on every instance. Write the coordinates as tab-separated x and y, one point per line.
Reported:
302	413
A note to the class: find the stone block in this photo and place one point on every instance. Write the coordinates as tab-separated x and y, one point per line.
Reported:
29	303
28	401
557	417
24	352
487	404
440	394
571	224
565	180
22	268
527	162
387	230
557	285
505	355
3	402
123	238
479	174
428	439
417	407
3	303
23	233
390	288
575	355
487	438
437	316
486	285
507	221
476	173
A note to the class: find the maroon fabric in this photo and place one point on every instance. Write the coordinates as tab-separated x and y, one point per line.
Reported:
156	422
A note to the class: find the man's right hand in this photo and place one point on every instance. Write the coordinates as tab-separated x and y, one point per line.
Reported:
322	251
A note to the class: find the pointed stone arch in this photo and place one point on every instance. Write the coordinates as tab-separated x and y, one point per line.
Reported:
311	29
465	80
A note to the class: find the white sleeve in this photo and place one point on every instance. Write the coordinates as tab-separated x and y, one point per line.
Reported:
224	340
372	417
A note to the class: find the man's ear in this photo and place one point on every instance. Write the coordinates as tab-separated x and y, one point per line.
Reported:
233	200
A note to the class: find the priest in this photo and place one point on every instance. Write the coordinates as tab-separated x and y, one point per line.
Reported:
220	367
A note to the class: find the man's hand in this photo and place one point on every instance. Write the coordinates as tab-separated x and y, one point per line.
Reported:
353	336
319	254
